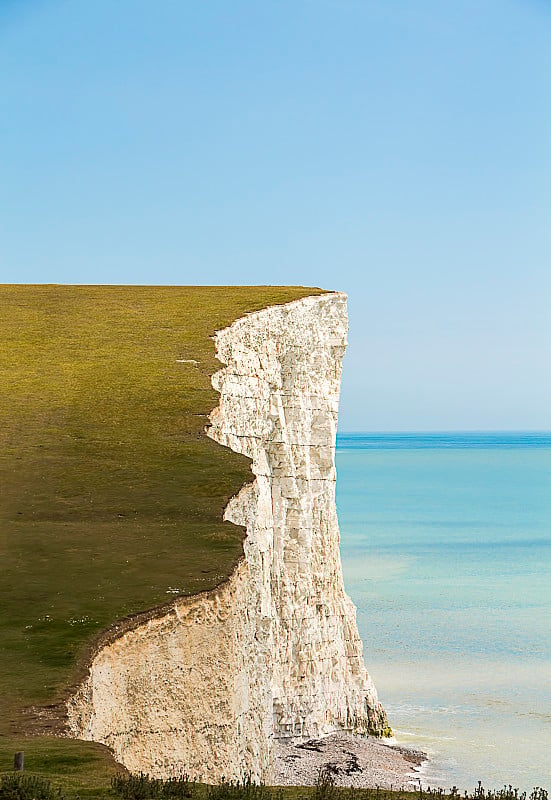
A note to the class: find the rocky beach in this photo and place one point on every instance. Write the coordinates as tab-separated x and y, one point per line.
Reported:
358	761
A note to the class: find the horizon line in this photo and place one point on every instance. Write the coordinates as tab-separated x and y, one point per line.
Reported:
443	432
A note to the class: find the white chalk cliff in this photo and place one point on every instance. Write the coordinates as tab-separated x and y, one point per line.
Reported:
274	653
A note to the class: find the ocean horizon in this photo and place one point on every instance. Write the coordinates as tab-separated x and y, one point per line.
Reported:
446	550
426	440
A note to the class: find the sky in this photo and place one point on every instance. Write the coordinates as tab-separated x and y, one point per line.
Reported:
397	150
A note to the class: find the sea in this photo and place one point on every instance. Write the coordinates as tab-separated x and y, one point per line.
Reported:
446	551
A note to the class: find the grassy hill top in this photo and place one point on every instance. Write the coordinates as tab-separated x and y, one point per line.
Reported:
111	495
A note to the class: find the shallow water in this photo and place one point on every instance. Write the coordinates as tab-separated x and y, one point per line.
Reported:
446	547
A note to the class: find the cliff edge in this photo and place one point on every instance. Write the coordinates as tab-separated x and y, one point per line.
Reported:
274	653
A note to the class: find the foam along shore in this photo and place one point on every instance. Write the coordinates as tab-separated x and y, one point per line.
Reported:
358	761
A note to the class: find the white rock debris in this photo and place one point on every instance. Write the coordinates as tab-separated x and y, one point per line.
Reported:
349	760
274	653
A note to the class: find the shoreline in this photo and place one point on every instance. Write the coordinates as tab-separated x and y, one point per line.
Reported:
351	760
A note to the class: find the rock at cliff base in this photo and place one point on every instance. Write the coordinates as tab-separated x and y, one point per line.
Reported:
358	761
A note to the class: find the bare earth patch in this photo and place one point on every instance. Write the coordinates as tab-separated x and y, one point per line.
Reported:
359	761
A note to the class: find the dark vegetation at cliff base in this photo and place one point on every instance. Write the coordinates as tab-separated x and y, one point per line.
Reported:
15	786
111	494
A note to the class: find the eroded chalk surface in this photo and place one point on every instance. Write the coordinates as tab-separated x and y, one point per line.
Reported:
274	655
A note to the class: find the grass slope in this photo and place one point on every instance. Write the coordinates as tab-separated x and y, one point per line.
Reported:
111	495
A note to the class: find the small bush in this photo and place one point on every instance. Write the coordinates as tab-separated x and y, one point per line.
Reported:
325	788
27	787
142	787
246	789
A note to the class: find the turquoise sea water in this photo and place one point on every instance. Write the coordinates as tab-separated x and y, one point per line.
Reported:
446	549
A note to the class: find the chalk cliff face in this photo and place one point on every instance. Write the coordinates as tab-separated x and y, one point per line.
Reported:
275	652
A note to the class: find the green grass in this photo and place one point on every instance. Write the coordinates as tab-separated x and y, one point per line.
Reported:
78	769
68	785
111	493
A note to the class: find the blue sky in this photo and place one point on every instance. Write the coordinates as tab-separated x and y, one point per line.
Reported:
398	150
